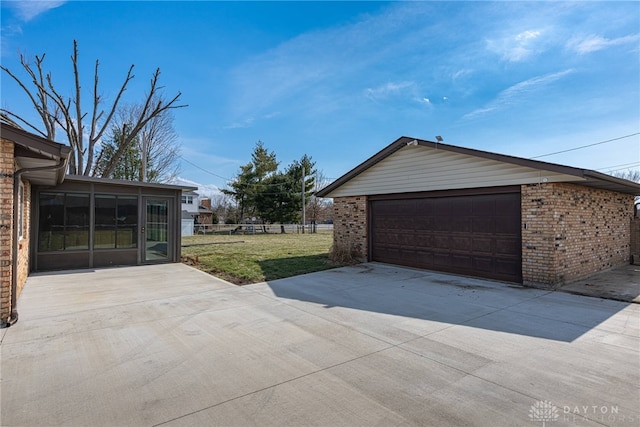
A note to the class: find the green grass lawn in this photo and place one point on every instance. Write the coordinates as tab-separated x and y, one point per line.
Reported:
244	259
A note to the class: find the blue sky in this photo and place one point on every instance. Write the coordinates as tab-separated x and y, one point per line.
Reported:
341	80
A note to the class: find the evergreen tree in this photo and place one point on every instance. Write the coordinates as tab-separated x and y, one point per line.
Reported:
250	180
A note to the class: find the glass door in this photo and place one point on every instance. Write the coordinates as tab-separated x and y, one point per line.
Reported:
155	232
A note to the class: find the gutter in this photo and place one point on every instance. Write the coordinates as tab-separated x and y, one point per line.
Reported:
13	318
614	180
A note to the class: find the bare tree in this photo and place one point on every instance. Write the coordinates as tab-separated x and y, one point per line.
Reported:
630	175
224	209
55	109
160	149
153	154
320	209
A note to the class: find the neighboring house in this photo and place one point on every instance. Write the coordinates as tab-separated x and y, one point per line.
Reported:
436	206
199	210
49	221
187	224
190	202
205	214
195	211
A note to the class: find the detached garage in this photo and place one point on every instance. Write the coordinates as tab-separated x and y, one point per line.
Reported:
439	207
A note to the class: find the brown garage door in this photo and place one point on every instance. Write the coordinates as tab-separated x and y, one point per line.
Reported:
476	235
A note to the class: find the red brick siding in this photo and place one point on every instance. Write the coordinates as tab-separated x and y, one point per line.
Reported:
7	168
570	231
350	224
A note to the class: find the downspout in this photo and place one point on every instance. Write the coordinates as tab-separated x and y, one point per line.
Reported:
13	318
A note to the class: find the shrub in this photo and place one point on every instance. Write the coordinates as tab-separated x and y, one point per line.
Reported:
344	253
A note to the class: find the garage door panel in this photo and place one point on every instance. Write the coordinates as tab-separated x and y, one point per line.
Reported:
424	258
389	254
394	222
505	266
482	244
462	243
483	264
423	207
461	262
509	224
483	224
441	259
506	245
441	241
462	224
389	208
442	207
424	222
483	206
423	239
505	203
472	235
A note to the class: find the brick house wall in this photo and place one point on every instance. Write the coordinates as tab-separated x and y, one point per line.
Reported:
570	231
7	167
350	225
7	224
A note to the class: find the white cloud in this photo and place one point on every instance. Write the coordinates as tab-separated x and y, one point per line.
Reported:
312	70
516	48
29	9
518	93
527	35
204	190
461	74
594	43
248	122
389	89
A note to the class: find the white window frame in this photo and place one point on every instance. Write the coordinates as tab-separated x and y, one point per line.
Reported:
20	201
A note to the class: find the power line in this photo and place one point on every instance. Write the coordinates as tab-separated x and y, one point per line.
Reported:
619	169
632	164
252	186
588	145
204	170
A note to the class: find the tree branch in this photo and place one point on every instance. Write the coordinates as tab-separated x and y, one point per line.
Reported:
153	107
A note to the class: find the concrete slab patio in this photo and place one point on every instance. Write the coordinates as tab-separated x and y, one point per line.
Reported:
364	345
621	284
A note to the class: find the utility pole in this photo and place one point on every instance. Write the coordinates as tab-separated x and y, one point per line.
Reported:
303	211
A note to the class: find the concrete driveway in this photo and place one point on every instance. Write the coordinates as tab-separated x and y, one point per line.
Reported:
358	346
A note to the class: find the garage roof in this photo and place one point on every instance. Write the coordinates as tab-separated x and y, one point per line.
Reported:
410	164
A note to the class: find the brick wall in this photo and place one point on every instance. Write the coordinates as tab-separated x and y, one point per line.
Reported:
350	224
571	231
6	225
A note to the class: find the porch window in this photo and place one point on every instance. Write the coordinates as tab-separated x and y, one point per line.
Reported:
116	222
64	222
